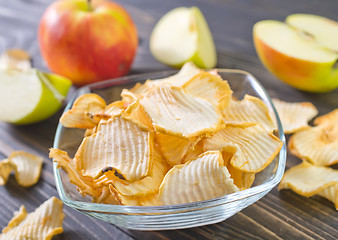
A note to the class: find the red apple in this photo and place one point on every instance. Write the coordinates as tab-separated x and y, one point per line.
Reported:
87	41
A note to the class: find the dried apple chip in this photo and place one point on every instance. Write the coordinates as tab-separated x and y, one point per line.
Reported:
176	113
114	108
308	180
16	220
140	90
248	112
44	223
327	118
243	180
203	178
318	144
128	96
147	185
331	194
77	116
195	152
294	116
187	71
174	148
254	148
106	197
6	168
136	112
84	183
124	200
27	167
119	145
209	87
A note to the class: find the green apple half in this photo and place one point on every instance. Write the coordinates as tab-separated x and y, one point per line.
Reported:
302	52
30	96
183	35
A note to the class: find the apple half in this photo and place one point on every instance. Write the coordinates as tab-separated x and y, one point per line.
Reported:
183	35
300	51
30	96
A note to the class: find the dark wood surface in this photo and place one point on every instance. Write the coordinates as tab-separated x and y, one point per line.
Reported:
279	215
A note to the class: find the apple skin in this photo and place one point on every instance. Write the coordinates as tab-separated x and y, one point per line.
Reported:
48	104
298	73
87	45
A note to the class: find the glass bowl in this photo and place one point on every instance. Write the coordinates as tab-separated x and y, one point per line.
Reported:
170	216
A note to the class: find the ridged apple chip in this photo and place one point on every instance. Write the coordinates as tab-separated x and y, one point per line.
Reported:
147	185
243	180
44	223
27	167
128	96
209	87
194	153
187	71
6	168
124	200
16	220
174	112
308	180
119	145
77	116
174	148
140	90
254	148
247	112
114	108
331	194
294	116
197	180
106	197
84	183
318	145
329	117
136	112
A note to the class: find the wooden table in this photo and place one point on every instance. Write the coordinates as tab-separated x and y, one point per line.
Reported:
279	215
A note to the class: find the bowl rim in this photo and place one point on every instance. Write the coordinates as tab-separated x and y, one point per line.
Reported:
169	209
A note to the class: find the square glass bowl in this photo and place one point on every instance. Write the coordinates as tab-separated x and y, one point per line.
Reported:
170	216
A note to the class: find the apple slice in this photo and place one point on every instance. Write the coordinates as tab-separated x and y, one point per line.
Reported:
30	96
183	35
295	56
323	30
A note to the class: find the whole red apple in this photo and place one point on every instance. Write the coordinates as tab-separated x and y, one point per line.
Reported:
87	41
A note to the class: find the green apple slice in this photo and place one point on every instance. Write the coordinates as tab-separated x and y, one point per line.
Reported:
323	30
30	96
183	35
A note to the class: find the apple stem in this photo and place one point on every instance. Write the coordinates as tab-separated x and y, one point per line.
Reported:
89	5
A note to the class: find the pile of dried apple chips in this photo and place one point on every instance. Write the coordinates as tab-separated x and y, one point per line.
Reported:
317	147
169	141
